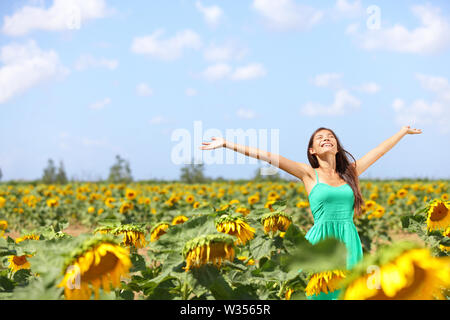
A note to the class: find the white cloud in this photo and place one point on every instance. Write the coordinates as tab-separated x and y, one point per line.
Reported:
190	92
420	112
88	142
61	15
88	61
157	120
346	9
352	28
431	36
246	114
144	90
369	87
251	71
287	14
438	85
25	66
100	104
343	103
224	71
327	79
166	49
398	104
212	14
217	72
225	52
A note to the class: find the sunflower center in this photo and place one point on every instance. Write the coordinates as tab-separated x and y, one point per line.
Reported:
439	212
20	260
107	264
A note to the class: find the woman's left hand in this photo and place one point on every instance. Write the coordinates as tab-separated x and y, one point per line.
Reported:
409	130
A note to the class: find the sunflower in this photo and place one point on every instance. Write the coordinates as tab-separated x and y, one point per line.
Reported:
211	248
272	196
130	194
391	199
446	233
109	202
135	238
274	221
133	235
405	272
253	199
302	204
98	262
269	205
3	227
326	282
377	213
223	207
190	198
288	293
52	203
103	230
28	237
235	225
438	215
179	220
158	230
2	202
373	196
19	262
402	193
370	204
250	261
243	210
125	207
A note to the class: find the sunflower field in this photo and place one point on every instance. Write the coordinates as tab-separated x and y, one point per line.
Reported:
220	240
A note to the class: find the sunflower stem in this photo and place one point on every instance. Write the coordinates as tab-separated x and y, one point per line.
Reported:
282	287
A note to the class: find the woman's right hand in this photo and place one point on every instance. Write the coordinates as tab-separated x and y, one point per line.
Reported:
214	144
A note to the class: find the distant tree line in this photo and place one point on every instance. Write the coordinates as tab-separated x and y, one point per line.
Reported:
120	172
53	175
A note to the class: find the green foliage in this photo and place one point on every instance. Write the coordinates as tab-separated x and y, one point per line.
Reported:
416	223
53	175
61	176
120	171
193	173
264	268
49	175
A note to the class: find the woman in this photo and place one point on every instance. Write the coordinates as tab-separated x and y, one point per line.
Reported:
331	182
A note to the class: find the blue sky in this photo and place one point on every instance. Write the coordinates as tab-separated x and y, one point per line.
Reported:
82	81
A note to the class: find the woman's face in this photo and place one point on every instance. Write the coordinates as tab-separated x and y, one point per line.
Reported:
324	142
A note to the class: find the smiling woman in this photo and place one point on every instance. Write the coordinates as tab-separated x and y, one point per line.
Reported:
334	201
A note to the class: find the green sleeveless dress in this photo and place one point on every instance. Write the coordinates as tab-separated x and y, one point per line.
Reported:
332	209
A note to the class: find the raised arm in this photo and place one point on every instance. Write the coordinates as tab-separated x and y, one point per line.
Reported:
376	153
297	169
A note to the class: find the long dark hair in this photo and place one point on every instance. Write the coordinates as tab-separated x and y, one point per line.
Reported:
343	167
